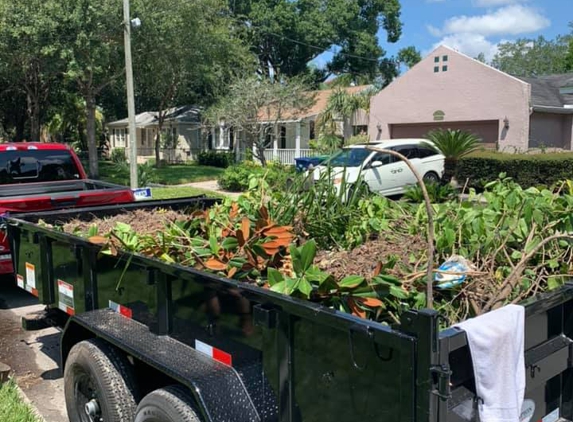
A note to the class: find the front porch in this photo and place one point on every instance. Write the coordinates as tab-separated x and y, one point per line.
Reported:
287	155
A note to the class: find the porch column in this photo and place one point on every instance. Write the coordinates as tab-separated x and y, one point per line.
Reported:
237	145
221	138
297	140
276	143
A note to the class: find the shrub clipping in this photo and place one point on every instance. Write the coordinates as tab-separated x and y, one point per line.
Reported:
366	254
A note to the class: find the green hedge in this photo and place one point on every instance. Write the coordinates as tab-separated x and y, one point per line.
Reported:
526	169
216	159
236	178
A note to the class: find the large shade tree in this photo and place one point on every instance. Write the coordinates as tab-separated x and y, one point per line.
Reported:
30	60
286	35
95	56
185	53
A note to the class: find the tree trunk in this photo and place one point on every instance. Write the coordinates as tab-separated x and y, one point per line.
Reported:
91	135
449	170
34	114
260	149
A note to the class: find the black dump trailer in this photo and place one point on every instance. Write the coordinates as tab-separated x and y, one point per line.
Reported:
145	340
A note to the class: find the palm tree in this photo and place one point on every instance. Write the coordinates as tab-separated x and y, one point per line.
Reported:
454	145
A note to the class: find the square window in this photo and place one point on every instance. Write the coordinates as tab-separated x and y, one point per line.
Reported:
444	68
436	69
445	58
437	59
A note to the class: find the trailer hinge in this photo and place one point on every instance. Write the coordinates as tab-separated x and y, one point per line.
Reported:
444	375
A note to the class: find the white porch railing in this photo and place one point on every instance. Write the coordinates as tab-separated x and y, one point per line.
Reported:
287	156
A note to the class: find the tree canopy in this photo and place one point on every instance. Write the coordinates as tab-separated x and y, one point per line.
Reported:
285	35
531	57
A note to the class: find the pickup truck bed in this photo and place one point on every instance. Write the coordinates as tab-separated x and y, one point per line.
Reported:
248	354
46	176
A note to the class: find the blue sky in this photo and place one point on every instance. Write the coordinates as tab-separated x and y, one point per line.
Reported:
474	26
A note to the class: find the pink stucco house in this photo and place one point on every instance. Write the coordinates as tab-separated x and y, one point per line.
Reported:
448	89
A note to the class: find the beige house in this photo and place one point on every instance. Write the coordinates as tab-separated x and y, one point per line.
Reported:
181	136
294	135
448	89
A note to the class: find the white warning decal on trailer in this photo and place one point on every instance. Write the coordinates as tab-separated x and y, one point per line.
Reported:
214	353
20	281
31	279
66	297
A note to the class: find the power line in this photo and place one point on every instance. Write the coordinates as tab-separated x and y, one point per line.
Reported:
317	47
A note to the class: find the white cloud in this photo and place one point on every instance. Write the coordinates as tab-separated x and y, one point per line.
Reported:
490	3
514	19
470	44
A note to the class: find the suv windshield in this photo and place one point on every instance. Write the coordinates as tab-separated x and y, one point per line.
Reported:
349	157
36	166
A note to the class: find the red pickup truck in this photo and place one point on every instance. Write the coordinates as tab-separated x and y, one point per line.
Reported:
47	176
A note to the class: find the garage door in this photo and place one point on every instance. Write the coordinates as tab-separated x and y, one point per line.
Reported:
487	130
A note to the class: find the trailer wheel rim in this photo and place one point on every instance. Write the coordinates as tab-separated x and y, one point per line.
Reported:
86	397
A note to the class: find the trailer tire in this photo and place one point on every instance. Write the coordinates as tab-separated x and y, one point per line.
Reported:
169	404
96	370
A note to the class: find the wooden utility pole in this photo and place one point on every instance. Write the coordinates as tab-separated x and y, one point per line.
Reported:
130	98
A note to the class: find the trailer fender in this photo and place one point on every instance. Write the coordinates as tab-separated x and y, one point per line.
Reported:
217	388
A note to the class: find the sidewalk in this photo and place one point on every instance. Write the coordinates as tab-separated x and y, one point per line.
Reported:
212	185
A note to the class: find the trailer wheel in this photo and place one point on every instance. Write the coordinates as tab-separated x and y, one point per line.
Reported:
169	404
99	384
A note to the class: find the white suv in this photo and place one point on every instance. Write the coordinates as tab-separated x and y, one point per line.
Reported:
382	172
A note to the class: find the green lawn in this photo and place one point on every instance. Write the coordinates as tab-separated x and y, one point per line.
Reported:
170	175
12	408
181	192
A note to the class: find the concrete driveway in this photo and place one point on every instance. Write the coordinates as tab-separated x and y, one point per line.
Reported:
33	356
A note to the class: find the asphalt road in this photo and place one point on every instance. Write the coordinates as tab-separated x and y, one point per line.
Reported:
34	355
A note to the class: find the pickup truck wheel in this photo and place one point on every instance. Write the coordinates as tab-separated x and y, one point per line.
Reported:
99	384
169	404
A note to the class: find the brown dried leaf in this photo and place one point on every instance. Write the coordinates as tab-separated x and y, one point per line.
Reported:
215	265
241	238
234	210
371	302
246	228
98	240
355	308
378	269
232	271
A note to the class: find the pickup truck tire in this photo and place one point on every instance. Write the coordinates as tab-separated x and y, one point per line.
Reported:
98	375
169	404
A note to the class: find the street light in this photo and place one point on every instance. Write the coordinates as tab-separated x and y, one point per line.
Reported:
128	23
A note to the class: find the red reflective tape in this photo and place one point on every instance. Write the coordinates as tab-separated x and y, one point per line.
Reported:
126	312
34	291
222	357
70	311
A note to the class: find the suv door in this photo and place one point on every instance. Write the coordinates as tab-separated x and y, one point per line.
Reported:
379	179
404	175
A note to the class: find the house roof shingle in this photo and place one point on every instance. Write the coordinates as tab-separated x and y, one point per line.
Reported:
545	90
183	114
320	103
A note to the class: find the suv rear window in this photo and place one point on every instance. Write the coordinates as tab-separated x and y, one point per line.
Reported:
36	166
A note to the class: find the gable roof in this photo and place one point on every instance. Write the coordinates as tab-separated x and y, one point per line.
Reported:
545	90
183	114
320	102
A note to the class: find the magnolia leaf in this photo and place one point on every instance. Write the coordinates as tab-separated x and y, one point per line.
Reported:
351	281
230	243
246	228
371	302
397	292
304	287
296	259
98	240
307	254
215	265
274	276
